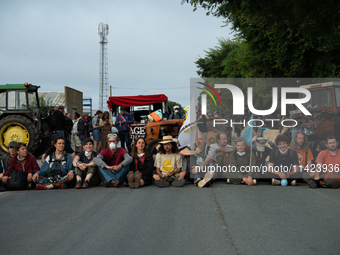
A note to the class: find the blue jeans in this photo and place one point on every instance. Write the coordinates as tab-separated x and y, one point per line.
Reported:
124	138
120	175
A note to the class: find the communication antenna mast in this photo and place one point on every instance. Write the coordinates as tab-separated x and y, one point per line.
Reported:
103	31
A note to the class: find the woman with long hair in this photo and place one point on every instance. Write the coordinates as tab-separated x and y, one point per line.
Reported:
141	168
106	124
58	165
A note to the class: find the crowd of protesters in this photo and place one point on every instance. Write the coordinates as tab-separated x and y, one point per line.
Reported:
98	159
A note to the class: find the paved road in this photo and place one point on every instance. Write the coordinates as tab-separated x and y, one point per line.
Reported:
223	219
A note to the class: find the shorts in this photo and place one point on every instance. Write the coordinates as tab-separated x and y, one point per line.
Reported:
96	134
76	141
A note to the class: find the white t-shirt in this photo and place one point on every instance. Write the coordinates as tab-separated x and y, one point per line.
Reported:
168	163
212	153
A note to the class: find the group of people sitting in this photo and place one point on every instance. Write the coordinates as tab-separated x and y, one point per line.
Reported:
200	163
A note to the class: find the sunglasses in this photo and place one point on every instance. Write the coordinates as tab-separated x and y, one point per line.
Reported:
112	135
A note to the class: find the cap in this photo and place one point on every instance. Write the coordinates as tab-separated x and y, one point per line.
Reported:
261	144
88	140
176	107
12	144
54	136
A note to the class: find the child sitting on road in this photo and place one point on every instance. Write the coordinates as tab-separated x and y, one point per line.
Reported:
240	160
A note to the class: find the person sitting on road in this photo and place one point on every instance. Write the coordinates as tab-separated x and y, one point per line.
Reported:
175	115
113	163
168	163
23	161
219	153
326	172
58	165
50	150
7	157
261	152
283	162
141	168
300	144
86	171
239	159
198	175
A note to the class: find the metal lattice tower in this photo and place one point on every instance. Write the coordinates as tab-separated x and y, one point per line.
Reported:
103	31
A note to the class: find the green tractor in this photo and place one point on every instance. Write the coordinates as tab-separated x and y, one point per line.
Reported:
21	119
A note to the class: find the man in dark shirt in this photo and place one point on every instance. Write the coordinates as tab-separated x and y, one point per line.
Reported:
59	121
283	162
123	122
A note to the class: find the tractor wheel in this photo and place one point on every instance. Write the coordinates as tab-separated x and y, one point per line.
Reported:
20	129
152	145
45	139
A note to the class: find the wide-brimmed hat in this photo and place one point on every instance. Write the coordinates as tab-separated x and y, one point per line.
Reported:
261	144
168	139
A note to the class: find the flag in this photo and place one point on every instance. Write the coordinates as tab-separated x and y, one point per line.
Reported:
186	135
248	134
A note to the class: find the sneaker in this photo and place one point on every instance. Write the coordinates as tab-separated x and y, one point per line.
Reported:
131	178
276	182
178	183
293	183
254	181
197	181
78	184
114	183
309	181
207	177
331	183
162	184
86	184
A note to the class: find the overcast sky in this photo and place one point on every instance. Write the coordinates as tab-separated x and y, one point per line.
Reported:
152	49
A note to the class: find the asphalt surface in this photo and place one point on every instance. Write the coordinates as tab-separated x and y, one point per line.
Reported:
223	219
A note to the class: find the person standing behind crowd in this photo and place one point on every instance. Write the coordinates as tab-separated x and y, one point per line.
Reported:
106	129
75	134
59	121
82	131
68	127
96	130
175	115
123	122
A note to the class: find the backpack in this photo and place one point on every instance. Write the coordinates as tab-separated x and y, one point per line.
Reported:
55	172
89	125
17	180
